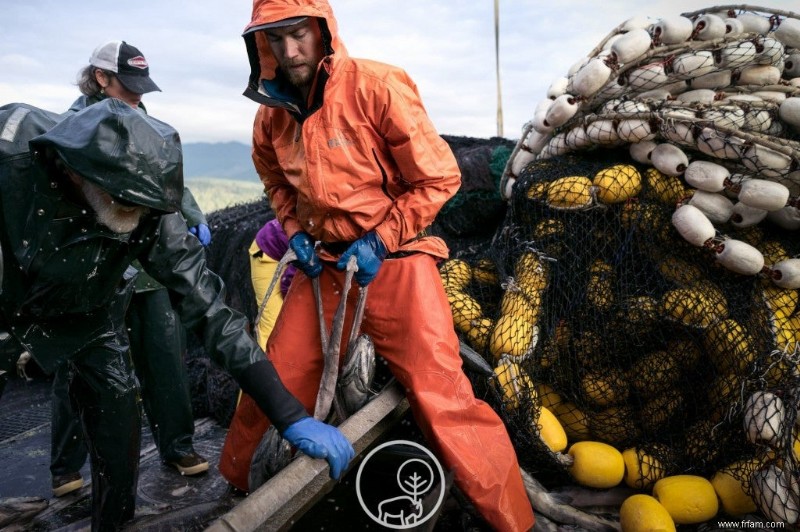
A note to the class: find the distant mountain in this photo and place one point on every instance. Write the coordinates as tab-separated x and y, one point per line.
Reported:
221	174
224	160
233	160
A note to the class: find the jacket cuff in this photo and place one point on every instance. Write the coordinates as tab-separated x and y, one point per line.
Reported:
260	381
388	238
291	228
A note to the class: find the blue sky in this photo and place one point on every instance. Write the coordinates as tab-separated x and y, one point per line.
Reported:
197	55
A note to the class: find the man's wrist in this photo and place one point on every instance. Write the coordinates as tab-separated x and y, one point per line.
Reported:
260	381
379	247
385	240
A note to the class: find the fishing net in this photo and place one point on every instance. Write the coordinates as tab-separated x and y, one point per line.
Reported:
233	231
470	217
641	290
214	391
629	333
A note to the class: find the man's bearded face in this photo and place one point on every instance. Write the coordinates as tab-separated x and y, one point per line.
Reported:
110	212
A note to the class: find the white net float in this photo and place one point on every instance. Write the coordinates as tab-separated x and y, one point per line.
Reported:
672	30
563	108
788	32
733	27
669	159
631	46
709	27
786	273
706	175
693	225
640	151
557	88
746	216
763	194
769	52
739	257
716	207
754	23
693	64
590	78
789	112
714	80
759	75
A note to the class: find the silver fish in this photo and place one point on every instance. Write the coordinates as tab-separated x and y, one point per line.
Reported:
327	387
580	497
545	504
473	360
195	517
353	388
543	524
272	454
17	511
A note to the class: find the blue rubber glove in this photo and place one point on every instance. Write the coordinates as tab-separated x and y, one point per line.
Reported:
307	259
319	440
369	252
202	232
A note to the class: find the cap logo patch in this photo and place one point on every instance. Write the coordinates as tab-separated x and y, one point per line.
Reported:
138	62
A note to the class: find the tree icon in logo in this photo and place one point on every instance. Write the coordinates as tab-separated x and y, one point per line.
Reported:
415	484
415	477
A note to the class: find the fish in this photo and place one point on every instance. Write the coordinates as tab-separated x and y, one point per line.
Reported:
194	517
583	497
473	360
551	507
17	511
353	388
272	454
327	387
543	524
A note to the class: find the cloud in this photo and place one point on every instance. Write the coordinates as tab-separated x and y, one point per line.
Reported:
16	64
198	58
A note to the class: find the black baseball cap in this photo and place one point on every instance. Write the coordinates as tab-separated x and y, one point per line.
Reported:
291	21
127	63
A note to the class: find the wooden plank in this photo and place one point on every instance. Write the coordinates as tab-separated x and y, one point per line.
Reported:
286	496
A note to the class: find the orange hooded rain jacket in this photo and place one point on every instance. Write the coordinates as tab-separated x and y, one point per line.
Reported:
362	155
326	168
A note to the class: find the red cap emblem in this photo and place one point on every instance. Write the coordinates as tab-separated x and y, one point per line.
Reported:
138	62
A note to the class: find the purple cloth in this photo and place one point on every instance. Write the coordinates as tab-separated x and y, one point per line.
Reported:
273	241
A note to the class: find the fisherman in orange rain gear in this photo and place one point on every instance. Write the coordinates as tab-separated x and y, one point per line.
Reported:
350	159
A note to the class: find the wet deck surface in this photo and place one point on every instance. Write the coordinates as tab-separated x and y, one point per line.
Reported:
186	503
165	499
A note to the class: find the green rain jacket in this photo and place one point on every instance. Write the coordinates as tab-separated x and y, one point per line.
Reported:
62	268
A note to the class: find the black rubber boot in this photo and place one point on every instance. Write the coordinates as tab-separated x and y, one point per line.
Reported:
67	449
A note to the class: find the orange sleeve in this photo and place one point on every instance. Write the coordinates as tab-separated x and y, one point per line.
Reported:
282	195
423	158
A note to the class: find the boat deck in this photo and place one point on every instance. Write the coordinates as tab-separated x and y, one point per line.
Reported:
165	499
25	454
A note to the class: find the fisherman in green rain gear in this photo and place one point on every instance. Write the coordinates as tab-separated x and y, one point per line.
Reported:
81	201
